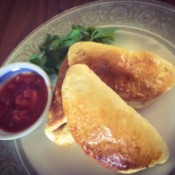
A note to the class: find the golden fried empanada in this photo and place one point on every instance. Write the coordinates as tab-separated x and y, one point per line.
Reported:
138	77
56	126
105	127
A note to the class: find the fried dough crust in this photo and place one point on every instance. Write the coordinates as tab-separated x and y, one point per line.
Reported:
138	77
56	128
105	127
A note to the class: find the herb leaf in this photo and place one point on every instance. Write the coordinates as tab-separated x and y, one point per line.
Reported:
54	48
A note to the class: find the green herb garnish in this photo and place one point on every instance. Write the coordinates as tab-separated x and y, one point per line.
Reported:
54	49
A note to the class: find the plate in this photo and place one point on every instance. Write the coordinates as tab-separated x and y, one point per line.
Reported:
141	25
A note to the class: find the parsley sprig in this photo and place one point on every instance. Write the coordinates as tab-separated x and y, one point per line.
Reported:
54	48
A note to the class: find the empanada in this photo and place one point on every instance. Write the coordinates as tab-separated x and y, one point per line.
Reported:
105	127
138	77
56	125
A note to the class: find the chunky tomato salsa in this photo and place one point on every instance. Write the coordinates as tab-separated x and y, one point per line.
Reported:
22	100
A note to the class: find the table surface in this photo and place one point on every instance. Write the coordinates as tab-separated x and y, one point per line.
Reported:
20	17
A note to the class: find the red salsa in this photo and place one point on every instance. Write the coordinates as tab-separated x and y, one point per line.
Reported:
22	100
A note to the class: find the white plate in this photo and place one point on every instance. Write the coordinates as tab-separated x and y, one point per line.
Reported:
141	25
